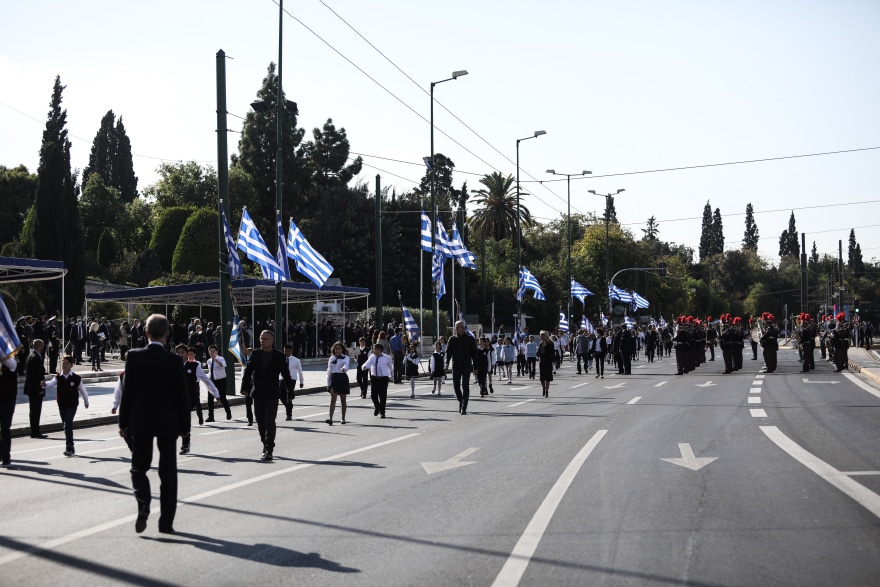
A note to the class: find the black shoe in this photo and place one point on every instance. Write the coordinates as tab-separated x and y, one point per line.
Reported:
167	530
141	523
382	414
464	411
39	436
250	422
69	452
289	418
329	421
201	421
229	415
184	450
376	412
267	456
363	395
210	419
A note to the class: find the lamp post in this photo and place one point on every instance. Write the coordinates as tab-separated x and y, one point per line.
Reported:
607	219
536	134
568	177
435	305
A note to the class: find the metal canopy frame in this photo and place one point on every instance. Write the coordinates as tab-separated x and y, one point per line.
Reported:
258	292
14	270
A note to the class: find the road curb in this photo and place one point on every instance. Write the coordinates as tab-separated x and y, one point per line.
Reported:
90	422
870	372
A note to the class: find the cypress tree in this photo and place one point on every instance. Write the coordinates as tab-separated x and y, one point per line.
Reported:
124	178
706	240
111	158
750	237
717	233
788	240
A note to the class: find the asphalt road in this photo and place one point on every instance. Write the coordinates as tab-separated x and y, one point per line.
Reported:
648	479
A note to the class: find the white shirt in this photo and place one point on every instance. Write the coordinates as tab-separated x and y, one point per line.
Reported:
117	392
218	371
379	366
203	377
294	365
82	388
336	365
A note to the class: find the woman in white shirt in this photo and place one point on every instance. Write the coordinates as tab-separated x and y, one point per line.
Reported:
337	380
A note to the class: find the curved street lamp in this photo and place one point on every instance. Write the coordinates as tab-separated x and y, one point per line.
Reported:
568	177
607	218
535	135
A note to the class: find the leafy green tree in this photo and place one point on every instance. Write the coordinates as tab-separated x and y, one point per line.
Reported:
196	251
707	240
17	188
258	149
610	211
100	208
146	267
134	227
444	192
651	230
326	157
111	158
57	229
788	240
750	236
717	233
184	184
169	227
107	250
495	209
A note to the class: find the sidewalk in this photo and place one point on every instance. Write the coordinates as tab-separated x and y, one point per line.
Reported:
865	362
100	387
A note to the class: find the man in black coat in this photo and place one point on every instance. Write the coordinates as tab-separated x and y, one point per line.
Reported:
34	375
461	351
260	381
154	404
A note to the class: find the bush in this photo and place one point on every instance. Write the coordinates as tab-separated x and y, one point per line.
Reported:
197	248
168	229
107	250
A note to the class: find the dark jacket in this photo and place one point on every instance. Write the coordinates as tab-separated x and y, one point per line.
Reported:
154	399
264	380
461	351
34	373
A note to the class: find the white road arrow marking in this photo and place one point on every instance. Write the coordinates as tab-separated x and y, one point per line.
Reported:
615	386
707	384
452	463
831	382
688	460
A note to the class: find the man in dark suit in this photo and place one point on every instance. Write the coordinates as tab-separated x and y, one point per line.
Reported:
34	376
154	404
264	367
78	336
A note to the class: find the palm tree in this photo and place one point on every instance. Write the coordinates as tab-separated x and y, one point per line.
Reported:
496	210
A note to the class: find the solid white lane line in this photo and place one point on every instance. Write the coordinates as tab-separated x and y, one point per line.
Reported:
862	384
61	446
859	473
579	385
661	383
755	390
516	564
864	496
633	400
215	432
521	403
85	454
754	400
14	556
758	413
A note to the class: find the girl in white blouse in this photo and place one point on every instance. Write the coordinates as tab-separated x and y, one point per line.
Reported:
337	380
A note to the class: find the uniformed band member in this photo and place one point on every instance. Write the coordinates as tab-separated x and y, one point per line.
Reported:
769	341
840	344
808	341
728	341
711	337
740	335
682	341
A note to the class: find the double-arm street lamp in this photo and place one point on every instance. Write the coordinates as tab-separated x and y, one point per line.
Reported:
568	177
536	134
435	305
607	219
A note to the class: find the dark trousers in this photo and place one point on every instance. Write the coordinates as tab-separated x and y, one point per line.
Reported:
755	351
398	367
249	408
520	365
95	356
363	381
7	409
141	461
770	359
737	357
627	363
67	415
809	360
53	359
379	393
461	378
532	363
711	351
221	387
36	405
681	359
579	357
78	351
195	401
727	354
600	364
841	358
481	380
266	410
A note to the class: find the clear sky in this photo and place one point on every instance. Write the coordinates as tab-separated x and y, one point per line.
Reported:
620	87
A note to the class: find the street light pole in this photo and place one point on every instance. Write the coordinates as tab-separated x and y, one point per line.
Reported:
568	177
607	220
536	134
435	306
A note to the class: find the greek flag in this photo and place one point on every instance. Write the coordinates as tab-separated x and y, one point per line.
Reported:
662	321
459	252
578	291
653	322
442	241
235	341
233	263
441	283
309	262
409	323
639	301
528	281
251	242
281	255
9	342
615	293
426	232
627	322
563	322
466	329
604	321
437	262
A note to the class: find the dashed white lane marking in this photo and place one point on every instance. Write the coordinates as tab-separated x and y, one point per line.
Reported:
760	376
758	413
755	390
14	556
757	382
754	400
661	383
521	403
633	400
516	564
864	496
215	432
579	385
862	384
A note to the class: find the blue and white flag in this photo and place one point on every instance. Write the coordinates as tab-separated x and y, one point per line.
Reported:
578	291
563	322
604	321
251	242
459	252
653	322
662	321
233	263
528	281
409	323
466	329
627	321
426	232
309	262
587	326
615	293
441	241
9	342
639	301
437	265
281	254
235	342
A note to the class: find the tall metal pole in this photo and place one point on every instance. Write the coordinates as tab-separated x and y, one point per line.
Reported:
380	318
279	106
607	281
462	231
223	206
568	246
804	303
518	250
435	306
